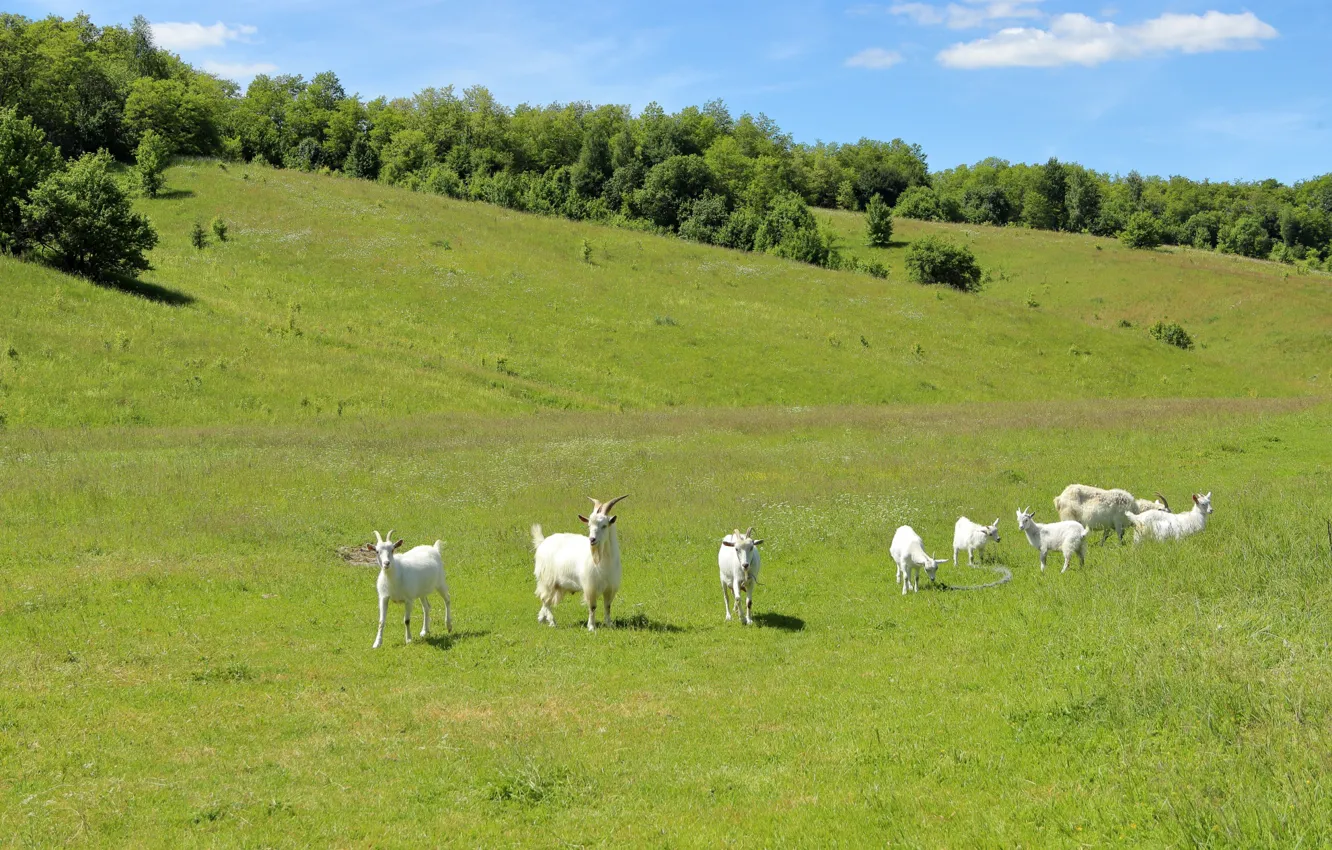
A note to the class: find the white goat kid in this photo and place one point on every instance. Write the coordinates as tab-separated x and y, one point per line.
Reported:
908	551
1068	537
1104	510
1161	525
738	558
971	537
415	574
573	563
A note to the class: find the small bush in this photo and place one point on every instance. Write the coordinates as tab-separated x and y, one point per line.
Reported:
198	238
219	227
585	251
934	260
873	268
151	159
1141	231
919	202
878	223
1172	333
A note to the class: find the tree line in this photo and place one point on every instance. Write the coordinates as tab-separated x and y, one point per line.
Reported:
700	173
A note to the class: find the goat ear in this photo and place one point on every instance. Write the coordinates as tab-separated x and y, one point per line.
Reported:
728	543
369	547
583	518
612	520
757	542
1195	497
398	544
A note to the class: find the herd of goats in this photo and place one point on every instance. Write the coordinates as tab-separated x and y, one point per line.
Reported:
590	563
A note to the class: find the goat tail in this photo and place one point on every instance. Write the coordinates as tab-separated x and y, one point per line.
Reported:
537	536
439	547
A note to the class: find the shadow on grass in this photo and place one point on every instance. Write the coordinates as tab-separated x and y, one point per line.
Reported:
151	291
446	640
174	194
643	623
784	622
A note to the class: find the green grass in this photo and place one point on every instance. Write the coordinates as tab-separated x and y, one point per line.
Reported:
185	661
337	298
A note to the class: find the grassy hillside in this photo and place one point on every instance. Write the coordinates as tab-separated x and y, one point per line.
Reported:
185	656
337	297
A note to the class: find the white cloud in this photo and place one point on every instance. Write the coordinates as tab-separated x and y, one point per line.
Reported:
874	58
239	70
192	36
968	14
1076	39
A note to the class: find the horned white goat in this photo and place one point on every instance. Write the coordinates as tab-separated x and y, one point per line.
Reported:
908	551
570	563
405	578
1104	510
972	537
1068	536
1161	525
738	558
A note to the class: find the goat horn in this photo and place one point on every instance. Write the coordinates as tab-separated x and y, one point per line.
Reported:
606	508
390	536
1163	501
378	539
750	532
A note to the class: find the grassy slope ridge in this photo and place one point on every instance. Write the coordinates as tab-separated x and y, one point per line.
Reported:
339	297
207	680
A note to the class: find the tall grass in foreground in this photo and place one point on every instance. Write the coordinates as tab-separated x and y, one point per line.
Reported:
206	677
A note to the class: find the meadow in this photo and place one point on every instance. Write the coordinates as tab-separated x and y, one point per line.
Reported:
185	655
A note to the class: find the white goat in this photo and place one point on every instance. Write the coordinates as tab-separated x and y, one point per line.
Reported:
413	575
972	537
569	563
1099	509
1161	525
1068	537
738	558
908	551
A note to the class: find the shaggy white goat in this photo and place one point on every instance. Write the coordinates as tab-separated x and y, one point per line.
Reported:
1068	537
738	558
1161	525
908	551
415	574
1099	509
570	563
972	537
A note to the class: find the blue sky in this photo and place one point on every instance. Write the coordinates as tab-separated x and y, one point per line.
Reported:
1210	89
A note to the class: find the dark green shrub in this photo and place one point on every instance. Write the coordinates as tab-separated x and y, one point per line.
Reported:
1171	333
1143	230
739	231
878	223
707	217
198	238
220	229
789	230
1245	236
81	221
919	202
931	259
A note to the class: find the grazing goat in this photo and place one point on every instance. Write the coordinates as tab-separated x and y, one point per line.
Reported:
1161	525
570	563
405	578
972	537
739	560
908	551
1068	537
1101	509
